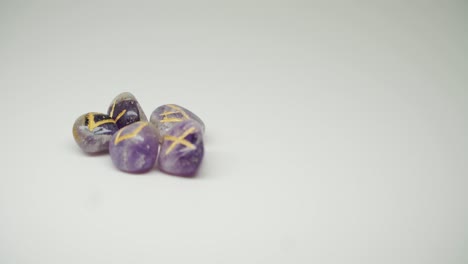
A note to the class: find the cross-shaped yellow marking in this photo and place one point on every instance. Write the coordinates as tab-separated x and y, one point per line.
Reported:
178	110
92	124
135	132
180	140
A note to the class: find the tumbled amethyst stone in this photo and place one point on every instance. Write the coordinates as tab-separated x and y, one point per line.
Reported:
126	110
134	148
93	131
167	116
182	149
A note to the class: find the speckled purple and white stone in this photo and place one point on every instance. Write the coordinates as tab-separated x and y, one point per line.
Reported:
126	110
167	116
134	148
93	131
182	149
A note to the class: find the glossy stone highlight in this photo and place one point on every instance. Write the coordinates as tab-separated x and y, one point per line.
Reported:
126	110
167	116
134	148
93	131
182	149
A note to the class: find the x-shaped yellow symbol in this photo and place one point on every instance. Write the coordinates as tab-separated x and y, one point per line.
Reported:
180	140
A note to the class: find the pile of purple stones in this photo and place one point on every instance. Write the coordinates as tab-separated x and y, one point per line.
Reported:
134	143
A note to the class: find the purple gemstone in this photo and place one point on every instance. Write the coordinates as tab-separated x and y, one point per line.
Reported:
126	110
134	148
93	131
167	116
182	149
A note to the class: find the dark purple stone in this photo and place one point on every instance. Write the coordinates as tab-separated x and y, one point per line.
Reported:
182	149
134	148
126	110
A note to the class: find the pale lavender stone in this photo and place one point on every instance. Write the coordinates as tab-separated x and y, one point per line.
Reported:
134	148
167	116
182	149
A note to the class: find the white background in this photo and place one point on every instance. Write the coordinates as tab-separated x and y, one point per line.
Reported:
336	131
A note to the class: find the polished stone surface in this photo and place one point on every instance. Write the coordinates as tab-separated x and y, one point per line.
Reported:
125	110
93	131
182	149
167	116
134	148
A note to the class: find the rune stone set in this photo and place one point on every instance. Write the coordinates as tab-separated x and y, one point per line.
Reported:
134	143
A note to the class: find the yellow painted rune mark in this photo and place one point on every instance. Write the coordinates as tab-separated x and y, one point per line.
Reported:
180	140
171	120
92	124
175	107
120	115
75	133
178	110
135	132
113	108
